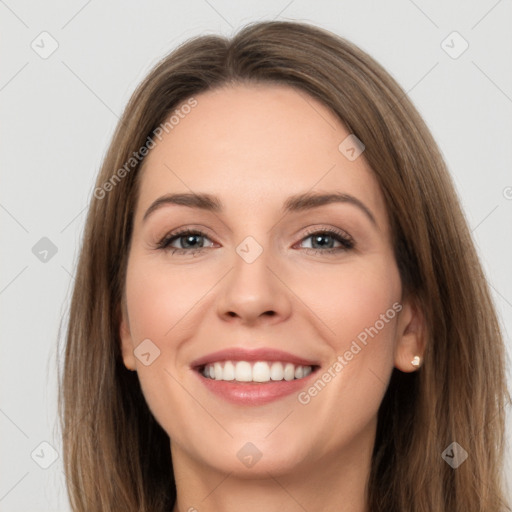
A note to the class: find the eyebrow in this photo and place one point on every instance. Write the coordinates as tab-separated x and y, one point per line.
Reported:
295	203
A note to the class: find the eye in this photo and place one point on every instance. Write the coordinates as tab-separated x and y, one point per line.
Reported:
189	240
322	241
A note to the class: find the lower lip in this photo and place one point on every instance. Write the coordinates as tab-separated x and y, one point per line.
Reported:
254	393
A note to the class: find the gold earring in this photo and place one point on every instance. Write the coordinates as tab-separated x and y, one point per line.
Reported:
416	361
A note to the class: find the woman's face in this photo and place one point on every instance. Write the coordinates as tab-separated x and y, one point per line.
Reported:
294	305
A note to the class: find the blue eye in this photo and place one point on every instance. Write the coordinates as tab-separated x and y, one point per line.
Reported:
188	240
318	238
322	241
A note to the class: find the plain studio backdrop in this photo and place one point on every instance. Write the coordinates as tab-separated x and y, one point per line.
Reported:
67	71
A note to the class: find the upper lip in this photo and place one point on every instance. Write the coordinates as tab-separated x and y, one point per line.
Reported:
243	354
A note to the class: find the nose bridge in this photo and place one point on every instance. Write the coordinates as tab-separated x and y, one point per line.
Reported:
251	288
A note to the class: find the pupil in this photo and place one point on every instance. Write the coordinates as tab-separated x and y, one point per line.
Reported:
191	237
320	237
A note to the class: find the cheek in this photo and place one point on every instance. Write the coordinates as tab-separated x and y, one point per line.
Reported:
361	309
159	299
368	300
347	301
353	300
157	302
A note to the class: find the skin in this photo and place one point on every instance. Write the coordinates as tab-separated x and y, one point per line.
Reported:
253	146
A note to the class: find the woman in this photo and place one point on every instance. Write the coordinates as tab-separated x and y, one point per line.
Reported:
278	305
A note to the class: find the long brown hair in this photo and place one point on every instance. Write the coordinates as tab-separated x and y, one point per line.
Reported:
117	457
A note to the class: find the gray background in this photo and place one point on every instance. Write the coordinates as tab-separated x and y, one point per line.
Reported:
59	112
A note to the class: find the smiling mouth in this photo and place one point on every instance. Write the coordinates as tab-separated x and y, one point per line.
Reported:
255	371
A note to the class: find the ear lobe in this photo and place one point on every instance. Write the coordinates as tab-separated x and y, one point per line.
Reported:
126	341
411	336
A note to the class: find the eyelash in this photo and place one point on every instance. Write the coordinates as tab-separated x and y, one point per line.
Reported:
347	242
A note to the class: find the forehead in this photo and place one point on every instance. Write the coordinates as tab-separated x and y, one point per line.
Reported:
248	143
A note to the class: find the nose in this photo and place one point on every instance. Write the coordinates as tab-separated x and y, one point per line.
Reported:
254	293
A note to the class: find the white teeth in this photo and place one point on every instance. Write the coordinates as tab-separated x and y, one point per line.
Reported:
276	371
217	371
229	371
243	371
259	371
289	371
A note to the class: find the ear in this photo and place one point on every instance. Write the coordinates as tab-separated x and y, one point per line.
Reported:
126	339
411	336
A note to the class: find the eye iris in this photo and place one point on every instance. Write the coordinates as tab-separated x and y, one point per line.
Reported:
188	238
317	238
